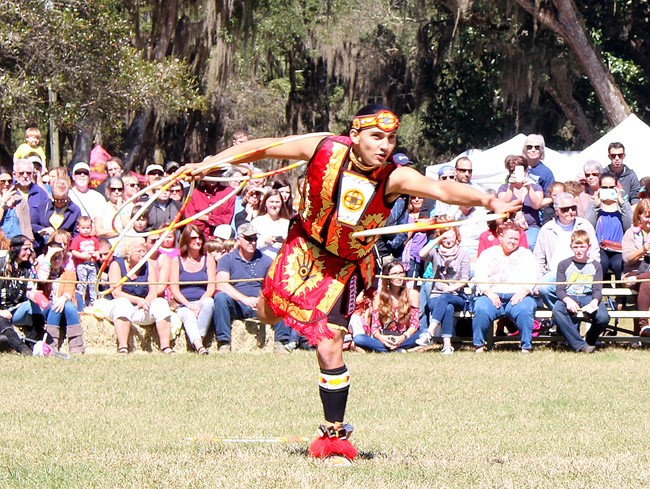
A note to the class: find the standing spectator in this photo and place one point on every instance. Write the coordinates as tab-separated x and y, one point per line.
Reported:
9	199
90	202
238	300
582	291
153	173
135	301
502	276
114	168
196	304
272	223
35	200
463	174
394	321
85	251
626	176
176	193
636	256
204	196
64	214
239	136
163	210
534	150
521	187
553	243
31	145
114	200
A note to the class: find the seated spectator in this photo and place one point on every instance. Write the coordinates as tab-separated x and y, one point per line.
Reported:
636	257
141	224
583	291
196	304
84	248
394	322
135	301
272	223
251	203
204	196
645	188
611	215
502	276
177	193
115	191
64	214
168	246
131	185
153	173
114	168
16	296
34	205
553	243
9	198
238	300
450	262
59	288
626	177
490	238
521	187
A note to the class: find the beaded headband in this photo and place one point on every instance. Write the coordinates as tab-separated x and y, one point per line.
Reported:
384	120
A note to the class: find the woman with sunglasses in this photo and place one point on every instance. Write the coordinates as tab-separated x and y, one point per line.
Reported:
104	221
9	198
533	151
192	278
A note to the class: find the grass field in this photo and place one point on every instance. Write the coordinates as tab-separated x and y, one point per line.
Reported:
551	419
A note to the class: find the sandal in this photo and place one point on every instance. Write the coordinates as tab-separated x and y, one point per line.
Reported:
168	350
202	351
123	350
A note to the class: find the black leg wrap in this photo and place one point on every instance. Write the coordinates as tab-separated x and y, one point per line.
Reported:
334	388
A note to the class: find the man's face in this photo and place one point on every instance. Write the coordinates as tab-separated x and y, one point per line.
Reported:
23	174
113	169
463	171
616	156
247	244
239	140
509	241
580	250
373	145
153	176
567	211
81	178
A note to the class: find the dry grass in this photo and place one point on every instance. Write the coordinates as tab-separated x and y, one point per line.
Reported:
550	419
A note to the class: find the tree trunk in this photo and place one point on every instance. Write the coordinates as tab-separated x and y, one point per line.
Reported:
83	143
563	18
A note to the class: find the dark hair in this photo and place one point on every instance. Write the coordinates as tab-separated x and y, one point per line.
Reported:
608	175
184	242
109	182
15	245
615	145
284	212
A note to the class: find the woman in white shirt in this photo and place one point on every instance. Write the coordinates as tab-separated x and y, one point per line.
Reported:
272	223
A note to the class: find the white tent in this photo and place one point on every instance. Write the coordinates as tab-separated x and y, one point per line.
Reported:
634	134
488	165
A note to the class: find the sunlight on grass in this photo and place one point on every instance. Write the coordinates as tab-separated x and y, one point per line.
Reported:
551	419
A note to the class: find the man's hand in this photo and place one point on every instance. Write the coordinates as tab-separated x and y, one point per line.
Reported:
251	302
518	297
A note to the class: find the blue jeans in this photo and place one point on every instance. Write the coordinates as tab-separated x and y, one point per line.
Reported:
531	237
226	310
425	292
22	316
367	342
569	324
523	314
547	292
70	313
443	307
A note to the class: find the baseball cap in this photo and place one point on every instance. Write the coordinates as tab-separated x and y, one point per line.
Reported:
401	159
172	166
223	231
246	229
151	168
446	170
80	166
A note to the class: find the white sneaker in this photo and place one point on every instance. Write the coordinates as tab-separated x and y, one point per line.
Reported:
425	339
447	350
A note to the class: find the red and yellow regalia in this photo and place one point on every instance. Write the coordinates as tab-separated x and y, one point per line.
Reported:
319	258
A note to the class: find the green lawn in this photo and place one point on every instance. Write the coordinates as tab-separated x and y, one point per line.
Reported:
551	419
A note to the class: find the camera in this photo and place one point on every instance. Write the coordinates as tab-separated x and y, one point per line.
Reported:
607	194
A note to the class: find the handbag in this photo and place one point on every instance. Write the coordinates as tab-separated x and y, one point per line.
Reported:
609	245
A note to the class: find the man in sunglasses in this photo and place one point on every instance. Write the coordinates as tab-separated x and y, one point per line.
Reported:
626	177
533	151
554	243
351	183
90	202
34	203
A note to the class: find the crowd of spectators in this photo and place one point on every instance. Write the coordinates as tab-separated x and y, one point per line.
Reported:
58	227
